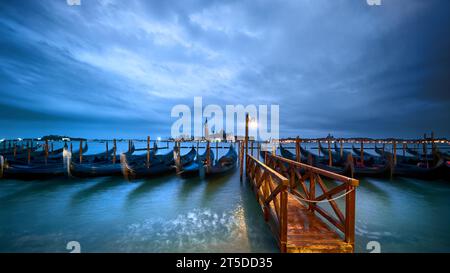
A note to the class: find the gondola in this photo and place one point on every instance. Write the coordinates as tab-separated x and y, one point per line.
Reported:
343	169
38	158
98	165
160	165
195	168
410	167
413	171
33	172
224	165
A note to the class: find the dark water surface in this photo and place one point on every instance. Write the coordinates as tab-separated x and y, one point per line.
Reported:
170	214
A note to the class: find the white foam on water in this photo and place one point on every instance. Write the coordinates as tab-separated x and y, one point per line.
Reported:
198	230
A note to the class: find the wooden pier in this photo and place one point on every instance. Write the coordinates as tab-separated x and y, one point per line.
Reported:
286	191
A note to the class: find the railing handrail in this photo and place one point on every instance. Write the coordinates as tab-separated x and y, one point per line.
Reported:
342	178
277	194
273	173
345	222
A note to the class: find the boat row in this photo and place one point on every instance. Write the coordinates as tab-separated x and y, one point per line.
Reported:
62	163
359	164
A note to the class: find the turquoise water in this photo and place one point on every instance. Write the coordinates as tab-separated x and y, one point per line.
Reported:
170	214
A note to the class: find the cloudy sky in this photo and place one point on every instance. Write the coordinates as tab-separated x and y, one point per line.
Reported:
115	68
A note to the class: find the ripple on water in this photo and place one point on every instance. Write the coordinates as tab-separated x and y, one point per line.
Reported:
199	230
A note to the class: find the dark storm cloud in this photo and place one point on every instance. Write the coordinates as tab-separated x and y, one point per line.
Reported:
116	68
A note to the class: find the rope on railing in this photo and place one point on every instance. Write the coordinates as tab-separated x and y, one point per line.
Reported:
326	200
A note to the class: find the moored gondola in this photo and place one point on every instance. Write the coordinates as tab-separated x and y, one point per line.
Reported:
197	167
224	165
161	165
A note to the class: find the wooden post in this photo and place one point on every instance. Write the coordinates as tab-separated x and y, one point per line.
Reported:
29	153
251	149
283	219
81	151
46	150
107	151
148	151
395	152
362	152
433	149
15	150
52	148
404	149
246	136
241	153
330	156
208	154
342	149
114	150
425	152
318	146
298	154
198	152
350	200
312	190
217	150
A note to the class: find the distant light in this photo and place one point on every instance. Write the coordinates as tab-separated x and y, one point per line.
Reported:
38	138
19	139
253	123
159	138
1	140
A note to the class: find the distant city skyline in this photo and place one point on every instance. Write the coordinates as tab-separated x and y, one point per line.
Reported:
114	68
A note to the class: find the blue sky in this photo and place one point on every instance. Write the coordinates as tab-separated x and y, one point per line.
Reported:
115	68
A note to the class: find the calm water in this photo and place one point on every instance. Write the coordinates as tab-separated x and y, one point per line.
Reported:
170	214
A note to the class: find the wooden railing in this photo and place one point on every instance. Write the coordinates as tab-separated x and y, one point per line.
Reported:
271	192
303	179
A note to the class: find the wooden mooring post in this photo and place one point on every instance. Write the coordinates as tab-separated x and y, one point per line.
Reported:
298	152
362	152
81	151
114	151
148	151
395	152
107	151
330	156
46	150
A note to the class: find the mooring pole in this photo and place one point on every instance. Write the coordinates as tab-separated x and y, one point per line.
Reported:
198	152
425	151
148	151
251	148
404	149
362	152
46	150
208	154
52	148
81	151
246	135
29	153
217	150
298	155
433	148
114	150
241	155
107	149
395	152
318	146
330	156
342	149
